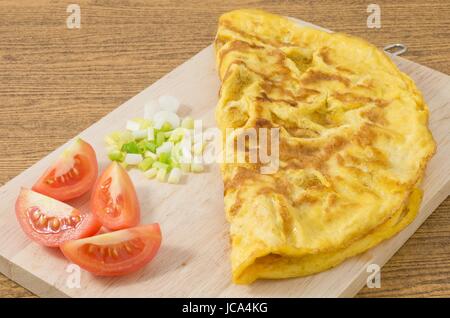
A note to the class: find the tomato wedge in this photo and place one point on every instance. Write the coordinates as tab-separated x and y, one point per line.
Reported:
114	200
50	222
115	253
72	175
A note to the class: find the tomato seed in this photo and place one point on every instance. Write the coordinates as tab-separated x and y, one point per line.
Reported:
36	214
42	220
55	224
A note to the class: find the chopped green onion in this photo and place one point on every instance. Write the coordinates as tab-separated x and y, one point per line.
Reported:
149	154
188	123
165	147
132	125
118	138
166	127
145	145
131	147
179	134
160	138
160	165
161	175
167	134
143	123
176	152
133	159
151	133
146	164
151	146
116	155
164	157
139	134
141	146
174	176
162	117
151	173
173	163
160	144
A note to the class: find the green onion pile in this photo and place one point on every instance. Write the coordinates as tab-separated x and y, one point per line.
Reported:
160	144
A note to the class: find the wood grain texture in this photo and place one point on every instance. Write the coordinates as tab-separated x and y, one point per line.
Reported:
55	82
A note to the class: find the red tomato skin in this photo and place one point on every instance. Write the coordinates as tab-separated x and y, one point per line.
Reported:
72	252
89	225
66	193
131	214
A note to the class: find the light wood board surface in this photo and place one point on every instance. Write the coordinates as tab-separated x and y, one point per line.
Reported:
197	264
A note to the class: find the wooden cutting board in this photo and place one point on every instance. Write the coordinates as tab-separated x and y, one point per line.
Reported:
194	257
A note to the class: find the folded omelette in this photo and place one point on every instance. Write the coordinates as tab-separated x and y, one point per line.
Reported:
353	145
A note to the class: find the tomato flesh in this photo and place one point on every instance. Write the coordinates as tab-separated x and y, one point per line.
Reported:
50	222
114	200
115	253
72	175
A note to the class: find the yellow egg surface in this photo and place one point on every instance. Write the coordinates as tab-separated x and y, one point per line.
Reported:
353	147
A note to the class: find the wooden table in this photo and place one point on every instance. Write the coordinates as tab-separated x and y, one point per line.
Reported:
55	82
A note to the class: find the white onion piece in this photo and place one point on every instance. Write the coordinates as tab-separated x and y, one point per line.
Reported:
165	147
165	116
151	108
174	176
169	103
151	173
133	158
132	125
149	154
139	134
159	123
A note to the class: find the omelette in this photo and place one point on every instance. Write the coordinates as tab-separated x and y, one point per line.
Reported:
353	145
